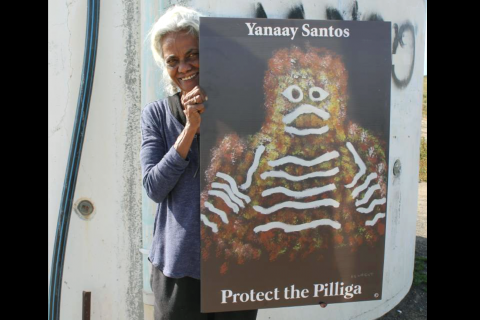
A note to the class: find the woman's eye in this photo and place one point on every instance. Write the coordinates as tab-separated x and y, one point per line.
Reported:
318	94
293	93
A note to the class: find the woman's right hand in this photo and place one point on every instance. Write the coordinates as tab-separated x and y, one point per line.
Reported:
194	107
193	112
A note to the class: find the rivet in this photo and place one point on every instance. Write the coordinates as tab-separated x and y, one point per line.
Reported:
397	168
85	207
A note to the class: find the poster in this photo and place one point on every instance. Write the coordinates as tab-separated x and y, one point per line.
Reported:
294	161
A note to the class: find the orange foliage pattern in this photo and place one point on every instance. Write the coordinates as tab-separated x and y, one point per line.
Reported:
237	241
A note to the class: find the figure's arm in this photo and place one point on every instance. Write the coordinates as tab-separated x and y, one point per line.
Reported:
184	141
161	167
193	102
368	187
223	197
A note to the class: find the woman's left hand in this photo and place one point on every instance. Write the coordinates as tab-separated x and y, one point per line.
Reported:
196	96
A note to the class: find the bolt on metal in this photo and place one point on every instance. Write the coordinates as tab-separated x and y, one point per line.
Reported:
397	168
85	207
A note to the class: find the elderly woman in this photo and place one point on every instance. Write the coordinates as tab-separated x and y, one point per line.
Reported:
170	170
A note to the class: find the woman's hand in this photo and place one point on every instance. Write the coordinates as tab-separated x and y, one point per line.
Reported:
193	107
196	96
192	112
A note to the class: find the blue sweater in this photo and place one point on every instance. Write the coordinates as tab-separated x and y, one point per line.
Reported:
173	183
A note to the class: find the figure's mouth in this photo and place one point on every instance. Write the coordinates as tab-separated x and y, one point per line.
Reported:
305	109
190	77
302	116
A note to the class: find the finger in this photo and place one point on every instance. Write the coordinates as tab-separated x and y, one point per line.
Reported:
192	106
200	108
195	108
194	92
197	91
203	94
198	99
185	100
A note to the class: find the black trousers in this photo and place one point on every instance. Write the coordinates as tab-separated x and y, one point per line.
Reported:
179	299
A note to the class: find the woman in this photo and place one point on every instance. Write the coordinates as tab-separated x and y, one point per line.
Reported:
170	170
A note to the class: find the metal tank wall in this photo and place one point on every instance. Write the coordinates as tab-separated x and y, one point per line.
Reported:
106	252
102	254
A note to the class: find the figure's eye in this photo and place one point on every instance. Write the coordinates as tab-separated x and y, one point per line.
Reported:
318	94
293	93
193	55
171	62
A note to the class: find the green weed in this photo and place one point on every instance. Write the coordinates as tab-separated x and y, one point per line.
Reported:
420	273
423	160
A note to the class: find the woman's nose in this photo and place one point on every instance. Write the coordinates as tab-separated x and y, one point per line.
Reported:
184	67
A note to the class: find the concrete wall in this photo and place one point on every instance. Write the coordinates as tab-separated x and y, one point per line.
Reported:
104	253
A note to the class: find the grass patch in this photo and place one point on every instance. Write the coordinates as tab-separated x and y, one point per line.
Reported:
423	143
423	160
424	107
420	273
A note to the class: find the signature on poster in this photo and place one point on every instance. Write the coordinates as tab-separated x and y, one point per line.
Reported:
363	275
309	181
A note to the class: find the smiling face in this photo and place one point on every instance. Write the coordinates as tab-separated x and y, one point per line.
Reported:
181	56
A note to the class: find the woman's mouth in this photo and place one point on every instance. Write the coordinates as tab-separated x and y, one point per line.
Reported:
190	77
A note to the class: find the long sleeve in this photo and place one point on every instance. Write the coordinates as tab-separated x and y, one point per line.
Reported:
172	182
161	167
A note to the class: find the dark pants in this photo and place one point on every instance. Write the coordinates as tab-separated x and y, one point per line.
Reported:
179	299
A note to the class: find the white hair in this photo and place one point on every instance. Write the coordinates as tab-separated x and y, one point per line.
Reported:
175	19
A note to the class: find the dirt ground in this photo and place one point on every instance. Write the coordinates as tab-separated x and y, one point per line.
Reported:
414	305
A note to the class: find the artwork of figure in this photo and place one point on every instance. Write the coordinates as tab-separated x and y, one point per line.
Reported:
307	182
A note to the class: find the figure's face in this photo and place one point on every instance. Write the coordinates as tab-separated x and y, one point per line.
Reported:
181	56
306	91
302	88
307	101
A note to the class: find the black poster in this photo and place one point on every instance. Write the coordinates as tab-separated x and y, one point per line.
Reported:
294	161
